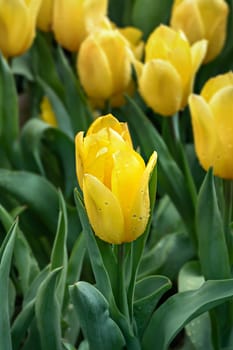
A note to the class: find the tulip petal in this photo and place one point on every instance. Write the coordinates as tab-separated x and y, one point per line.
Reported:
213	85
109	121
112	42
93	71
140	210
198	52
186	17
79	157
161	87
203	129
14	16
212	12
221	105
104	211
128	167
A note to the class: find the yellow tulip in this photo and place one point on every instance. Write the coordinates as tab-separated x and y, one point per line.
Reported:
212	120
104	64
73	20
44	19
114	180
17	25
202	19
166	79
47	113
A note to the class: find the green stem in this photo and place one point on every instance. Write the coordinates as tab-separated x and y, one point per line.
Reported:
122	294
227	214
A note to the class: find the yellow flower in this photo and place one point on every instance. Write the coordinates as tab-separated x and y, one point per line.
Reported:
73	20
44	19
166	79
104	64
202	19
212	120
47	113
114	180
17	25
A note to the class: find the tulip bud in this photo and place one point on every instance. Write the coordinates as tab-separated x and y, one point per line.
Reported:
166	79
74	20
44	19
104	64
17	23
202	19
114	180
47	113
212	120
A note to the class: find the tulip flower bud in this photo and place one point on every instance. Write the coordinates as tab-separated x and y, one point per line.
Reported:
104	64
166	79
17	23
212	120
44	19
47	113
202	19
74	20
114	180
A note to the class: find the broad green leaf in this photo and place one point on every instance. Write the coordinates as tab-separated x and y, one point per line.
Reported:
199	329
5	265
24	260
101	275
48	313
98	327
59	108
76	260
177	311
32	291
148	14
43	64
168	170
35	192
9	119
148	292
59	251
22	323
37	135
167	256
210	230
76	101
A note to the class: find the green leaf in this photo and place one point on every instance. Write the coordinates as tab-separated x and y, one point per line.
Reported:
101	275
59	251
148	292
211	239
37	135
24	260
92	308
168	170
76	101
48	313
35	192
76	260
22	323
148	14
177	311
9	119
199	329
5	265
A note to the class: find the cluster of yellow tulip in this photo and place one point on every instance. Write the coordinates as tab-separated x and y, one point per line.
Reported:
106	55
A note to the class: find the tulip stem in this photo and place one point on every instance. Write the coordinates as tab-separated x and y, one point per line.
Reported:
122	295
227	214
